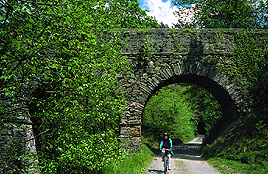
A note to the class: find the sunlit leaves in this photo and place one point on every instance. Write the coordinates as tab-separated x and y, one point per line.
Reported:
167	111
224	14
70	48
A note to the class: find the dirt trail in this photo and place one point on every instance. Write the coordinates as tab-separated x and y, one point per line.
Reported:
186	160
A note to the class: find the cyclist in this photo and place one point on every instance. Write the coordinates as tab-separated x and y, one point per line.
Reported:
166	142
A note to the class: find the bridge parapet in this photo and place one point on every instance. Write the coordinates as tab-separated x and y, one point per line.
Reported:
167	41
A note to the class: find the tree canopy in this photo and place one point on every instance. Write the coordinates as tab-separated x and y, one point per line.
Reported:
71	49
224	14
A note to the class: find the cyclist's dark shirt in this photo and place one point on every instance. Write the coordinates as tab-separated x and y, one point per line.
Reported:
166	143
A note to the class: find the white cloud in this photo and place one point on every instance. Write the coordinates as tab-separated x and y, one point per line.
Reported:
162	11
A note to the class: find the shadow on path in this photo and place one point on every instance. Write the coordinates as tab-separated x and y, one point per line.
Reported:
155	171
190	151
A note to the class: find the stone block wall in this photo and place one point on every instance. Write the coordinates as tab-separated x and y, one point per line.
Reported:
164	56
17	143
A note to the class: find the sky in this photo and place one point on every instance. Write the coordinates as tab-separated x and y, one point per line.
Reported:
162	10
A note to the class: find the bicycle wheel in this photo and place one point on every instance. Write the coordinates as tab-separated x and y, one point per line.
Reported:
165	164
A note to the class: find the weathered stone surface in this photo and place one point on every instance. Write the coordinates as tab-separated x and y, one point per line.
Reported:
168	64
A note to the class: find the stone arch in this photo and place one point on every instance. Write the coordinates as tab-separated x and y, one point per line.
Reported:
208	77
17	129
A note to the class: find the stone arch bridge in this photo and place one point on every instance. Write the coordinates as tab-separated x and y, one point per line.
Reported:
165	56
159	57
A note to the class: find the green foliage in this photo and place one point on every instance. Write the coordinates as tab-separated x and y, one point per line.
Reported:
205	106
72	50
248	67
167	111
136	164
178	109
230	166
225	14
251	65
128	14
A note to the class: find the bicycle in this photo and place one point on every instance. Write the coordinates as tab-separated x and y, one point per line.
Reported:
166	159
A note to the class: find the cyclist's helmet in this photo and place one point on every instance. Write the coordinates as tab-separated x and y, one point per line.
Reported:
165	134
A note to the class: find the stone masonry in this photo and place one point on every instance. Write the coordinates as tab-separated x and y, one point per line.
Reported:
17	134
164	56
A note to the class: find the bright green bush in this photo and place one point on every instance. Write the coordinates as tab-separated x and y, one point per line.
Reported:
167	111
71	49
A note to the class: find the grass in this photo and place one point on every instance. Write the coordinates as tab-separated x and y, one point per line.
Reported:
230	166
136	165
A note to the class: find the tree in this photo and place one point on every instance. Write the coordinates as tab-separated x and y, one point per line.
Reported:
71	48
224	14
168	111
205	106
128	14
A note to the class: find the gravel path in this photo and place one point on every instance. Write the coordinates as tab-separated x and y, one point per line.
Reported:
186	160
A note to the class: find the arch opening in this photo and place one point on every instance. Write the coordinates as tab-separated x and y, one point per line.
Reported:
227	105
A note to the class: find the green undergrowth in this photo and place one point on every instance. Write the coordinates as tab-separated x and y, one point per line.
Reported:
224	165
151	141
243	150
135	165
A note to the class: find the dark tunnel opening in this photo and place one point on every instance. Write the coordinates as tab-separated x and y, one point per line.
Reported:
201	127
